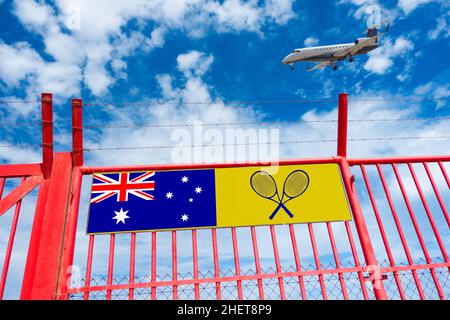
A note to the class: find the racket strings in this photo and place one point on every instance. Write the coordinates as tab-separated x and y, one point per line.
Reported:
296	183
264	184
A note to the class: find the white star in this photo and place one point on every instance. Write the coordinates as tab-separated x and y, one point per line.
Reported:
198	190
169	195
121	216
191	200
184	179
184	217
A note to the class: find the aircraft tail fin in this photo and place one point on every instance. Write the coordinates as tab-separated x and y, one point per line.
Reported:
372	32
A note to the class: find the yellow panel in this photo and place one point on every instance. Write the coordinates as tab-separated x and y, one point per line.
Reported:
238	204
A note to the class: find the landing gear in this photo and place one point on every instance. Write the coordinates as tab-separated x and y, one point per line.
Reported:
351	59
334	65
292	66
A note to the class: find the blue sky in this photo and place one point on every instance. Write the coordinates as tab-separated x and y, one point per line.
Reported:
168	54
119	53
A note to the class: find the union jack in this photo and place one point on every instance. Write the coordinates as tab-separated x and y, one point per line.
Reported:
123	186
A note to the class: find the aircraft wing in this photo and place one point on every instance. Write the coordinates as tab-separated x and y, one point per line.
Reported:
319	66
353	50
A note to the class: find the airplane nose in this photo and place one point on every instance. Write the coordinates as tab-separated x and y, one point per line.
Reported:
286	59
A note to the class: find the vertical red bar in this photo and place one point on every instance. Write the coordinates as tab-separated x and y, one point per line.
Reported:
153	264
342	125
337	260
47	133
34	242
417	229
12	235
110	265
323	289
356	260
428	212
236	263
174	264
70	231
41	276
297	261
2	186
195	263
277	261
437	193
400	231
363	232
87	280
257	265
444	173
216	263
132	264
383	233
77	132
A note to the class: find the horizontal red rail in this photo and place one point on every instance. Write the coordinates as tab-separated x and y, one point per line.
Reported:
89	170
390	160
252	277
20	170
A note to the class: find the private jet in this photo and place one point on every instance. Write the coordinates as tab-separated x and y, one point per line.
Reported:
330	55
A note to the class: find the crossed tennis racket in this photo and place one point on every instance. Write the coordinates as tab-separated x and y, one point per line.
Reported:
294	186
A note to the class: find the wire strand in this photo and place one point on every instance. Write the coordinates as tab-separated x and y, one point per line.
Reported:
263	143
171	125
242	102
18	101
22	145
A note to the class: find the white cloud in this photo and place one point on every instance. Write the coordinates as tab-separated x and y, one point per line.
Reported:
382	59
279	10
18	62
18	154
311	41
437	91
95	41
235	15
34	15
441	28
194	62
410	5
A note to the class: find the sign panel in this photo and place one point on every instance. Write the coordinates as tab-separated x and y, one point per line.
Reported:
226	197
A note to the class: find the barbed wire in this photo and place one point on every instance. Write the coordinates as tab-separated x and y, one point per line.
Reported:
261	143
243	102
238	102
236	144
171	125
18	101
21	145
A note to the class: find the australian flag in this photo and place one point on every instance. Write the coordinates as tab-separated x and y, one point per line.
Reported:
140	201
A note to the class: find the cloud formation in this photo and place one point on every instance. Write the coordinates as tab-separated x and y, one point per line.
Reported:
89	41
382	59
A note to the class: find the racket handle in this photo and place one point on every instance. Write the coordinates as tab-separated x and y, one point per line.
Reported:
287	210
281	205
275	211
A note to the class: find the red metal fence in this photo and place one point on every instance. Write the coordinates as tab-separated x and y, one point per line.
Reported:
394	247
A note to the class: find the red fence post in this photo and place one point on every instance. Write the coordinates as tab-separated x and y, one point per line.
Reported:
358	216
47	133
43	265
363	233
77	131
342	125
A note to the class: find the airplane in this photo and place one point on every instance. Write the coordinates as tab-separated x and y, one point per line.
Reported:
330	55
